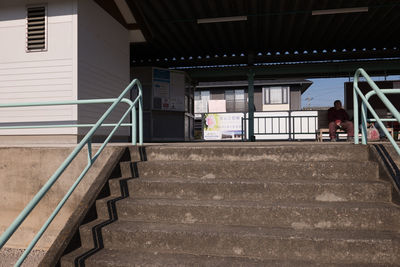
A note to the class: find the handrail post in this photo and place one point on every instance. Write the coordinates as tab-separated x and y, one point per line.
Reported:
355	109
89	144
290	125
133	127
364	124
140	120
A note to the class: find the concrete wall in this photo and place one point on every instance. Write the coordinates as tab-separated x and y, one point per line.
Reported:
38	76
103	63
23	171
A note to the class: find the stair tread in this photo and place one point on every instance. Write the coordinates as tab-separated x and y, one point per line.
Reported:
313	205
264	161
251	153
253	181
241	145
259	204
270	170
117	258
256	231
254	189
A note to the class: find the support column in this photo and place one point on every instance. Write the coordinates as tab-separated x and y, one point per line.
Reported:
250	93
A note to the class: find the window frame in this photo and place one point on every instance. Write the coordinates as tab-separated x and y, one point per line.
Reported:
235	99
267	90
201	93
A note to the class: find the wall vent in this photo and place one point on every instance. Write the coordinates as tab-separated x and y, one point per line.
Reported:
36	29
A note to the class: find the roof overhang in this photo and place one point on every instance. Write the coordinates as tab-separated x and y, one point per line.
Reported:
258	34
123	12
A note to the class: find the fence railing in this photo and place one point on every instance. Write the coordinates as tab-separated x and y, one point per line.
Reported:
87	140
290	125
367	106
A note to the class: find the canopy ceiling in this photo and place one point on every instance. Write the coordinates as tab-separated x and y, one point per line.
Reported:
275	31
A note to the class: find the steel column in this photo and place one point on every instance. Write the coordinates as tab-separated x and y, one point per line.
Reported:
250	94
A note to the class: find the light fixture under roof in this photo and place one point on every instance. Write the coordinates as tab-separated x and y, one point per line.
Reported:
221	19
339	11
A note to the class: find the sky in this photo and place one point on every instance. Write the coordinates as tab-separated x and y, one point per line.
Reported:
323	92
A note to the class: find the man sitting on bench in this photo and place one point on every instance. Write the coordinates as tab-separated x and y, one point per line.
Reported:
338	118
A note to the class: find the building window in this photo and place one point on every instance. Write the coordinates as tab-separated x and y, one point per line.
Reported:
36	28
201	101
275	95
235	101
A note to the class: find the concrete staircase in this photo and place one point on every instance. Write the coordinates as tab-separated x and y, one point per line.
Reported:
241	205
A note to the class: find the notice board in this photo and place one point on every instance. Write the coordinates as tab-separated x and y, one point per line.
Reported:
168	90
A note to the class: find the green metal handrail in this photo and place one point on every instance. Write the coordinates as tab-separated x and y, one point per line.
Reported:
73	102
91	158
365	104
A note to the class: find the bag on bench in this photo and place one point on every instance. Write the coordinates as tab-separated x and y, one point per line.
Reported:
372	133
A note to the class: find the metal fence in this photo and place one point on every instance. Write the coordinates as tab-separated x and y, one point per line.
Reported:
290	127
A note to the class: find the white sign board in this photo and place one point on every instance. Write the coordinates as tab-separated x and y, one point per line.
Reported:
223	126
216	106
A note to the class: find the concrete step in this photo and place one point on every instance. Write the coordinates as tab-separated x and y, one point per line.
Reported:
306	215
329	246
281	153
258	170
254	190
125	258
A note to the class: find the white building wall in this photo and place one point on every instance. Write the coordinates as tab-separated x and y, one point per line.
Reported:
38	76
103	65
276	107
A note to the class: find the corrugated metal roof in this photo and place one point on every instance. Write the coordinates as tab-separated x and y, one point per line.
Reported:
275	31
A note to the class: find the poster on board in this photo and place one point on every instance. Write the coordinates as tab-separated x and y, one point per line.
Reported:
161	83
222	126
168	90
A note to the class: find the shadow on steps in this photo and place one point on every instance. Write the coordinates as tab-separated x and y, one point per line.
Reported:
123	175
390	165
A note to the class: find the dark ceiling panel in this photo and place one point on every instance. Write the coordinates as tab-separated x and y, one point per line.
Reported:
303	24
272	26
389	18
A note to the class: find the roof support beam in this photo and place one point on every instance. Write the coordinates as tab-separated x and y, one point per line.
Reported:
339	11
318	70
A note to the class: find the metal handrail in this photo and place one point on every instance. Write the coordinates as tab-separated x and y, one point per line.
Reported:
365	104
91	158
73	102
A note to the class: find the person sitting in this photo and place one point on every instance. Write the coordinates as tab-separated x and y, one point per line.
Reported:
338	118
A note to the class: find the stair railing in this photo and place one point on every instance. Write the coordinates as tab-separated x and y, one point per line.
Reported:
91	158
365	104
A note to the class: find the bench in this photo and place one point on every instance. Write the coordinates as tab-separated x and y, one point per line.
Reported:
323	123
321	131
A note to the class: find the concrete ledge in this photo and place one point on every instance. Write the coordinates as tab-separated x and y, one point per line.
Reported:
85	210
56	139
37	139
9	256
23	171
